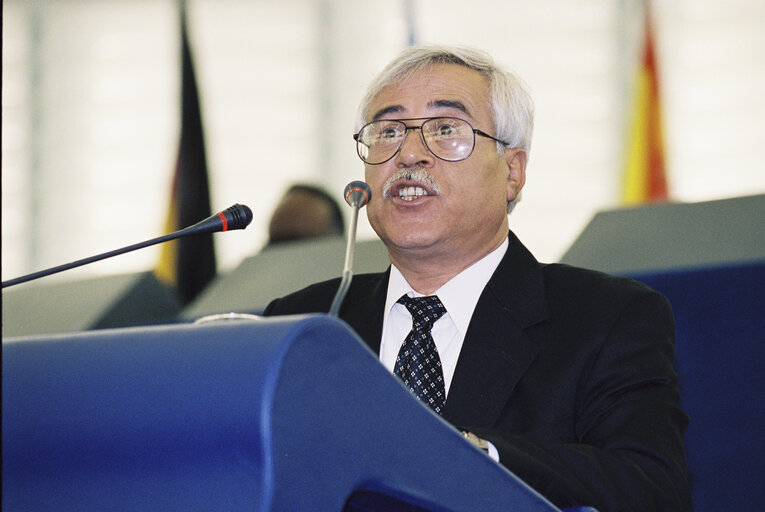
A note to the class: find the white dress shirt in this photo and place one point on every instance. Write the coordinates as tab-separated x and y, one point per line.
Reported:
459	296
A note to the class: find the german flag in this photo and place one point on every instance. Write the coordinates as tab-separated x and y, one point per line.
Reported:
645	177
188	264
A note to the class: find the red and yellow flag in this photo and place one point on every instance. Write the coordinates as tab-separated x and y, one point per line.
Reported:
645	177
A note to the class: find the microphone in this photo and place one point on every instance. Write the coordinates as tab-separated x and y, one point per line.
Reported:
357	194
234	217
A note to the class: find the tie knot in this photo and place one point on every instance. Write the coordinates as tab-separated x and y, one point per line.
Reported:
424	310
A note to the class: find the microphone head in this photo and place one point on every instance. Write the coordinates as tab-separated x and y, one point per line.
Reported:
238	216
357	194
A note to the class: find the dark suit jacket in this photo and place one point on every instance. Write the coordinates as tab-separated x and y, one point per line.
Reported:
568	372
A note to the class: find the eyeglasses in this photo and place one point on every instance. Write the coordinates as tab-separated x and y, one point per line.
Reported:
448	138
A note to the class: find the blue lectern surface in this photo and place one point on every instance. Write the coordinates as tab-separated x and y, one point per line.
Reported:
290	413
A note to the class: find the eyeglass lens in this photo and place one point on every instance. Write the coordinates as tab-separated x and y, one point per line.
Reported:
448	138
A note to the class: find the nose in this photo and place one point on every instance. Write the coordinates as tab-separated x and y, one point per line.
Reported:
413	150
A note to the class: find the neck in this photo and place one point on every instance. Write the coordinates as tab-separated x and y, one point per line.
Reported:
426	271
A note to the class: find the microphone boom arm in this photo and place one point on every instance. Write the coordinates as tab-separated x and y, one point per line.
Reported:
235	217
345	281
357	194
92	259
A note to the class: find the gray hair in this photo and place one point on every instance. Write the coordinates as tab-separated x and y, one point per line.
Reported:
511	105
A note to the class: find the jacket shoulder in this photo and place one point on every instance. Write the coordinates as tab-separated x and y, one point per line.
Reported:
583	292
559	275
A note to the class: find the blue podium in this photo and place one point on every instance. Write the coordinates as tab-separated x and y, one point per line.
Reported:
278	414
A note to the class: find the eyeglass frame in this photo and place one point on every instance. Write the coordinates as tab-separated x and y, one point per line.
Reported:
475	131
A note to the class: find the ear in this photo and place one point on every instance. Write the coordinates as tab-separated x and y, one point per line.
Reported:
516	177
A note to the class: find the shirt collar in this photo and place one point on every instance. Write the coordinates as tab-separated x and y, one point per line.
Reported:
459	295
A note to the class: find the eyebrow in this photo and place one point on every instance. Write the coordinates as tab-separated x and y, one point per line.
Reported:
457	105
395	109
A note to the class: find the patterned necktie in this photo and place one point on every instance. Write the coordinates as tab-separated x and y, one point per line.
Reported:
418	364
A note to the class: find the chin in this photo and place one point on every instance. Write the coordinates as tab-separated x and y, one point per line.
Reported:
408	232
410	240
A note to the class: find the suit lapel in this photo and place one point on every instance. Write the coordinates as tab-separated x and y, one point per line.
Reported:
496	351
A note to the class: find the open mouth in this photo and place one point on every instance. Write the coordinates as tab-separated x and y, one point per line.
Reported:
411	193
410	184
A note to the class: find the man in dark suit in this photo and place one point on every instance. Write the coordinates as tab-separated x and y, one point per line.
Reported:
564	375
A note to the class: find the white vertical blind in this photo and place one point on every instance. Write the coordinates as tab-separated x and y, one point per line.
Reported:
16	143
713	68
259	78
92	130
103	139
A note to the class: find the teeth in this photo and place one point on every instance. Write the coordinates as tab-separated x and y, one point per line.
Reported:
411	193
